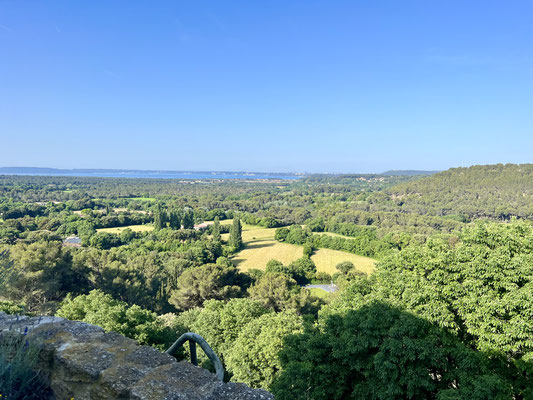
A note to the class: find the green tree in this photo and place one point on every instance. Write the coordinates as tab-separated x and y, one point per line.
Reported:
297	235
85	230
216	230
210	281
174	220
308	249
279	292
345	267
479	288
135	322
220	322
104	240
253	358
277	266
281	234
159	220
303	270
380	352
6	270
43	273
127	235
235	234
188	218
316	224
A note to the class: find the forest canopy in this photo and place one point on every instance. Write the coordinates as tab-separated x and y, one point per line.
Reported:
443	307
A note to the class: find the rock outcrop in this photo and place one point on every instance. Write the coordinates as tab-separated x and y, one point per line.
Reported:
81	361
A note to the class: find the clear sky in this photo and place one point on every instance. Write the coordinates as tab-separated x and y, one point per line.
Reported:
318	86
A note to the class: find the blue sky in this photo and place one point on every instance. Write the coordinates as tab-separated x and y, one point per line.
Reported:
318	86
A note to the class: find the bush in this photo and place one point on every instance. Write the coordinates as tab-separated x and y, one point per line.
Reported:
322	277
277	266
18	377
253	359
308	249
10	307
281	234
345	267
134	322
302	270
381	352
219	323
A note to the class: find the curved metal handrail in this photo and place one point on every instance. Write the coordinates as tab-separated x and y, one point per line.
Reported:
194	338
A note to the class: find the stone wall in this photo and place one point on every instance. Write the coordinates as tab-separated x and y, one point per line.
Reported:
81	361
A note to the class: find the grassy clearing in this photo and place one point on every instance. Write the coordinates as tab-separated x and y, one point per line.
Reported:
142	198
252	233
260	247
134	228
326	260
256	254
322	294
81	214
124	209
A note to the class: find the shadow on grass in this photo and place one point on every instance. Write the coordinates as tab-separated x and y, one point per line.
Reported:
258	244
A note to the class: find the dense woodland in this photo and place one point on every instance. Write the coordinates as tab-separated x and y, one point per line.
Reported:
447	314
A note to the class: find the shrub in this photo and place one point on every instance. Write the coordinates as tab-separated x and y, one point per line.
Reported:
253	359
134	322
18	377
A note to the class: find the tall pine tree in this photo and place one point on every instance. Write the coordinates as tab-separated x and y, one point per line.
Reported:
174	220
188	219
159	220
216	230
235	234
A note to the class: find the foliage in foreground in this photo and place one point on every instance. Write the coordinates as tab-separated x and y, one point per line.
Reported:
444	320
246	336
254	356
18	378
380	352
134	322
220	323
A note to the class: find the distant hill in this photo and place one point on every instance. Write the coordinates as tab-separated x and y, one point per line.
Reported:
370	182
407	172
498	191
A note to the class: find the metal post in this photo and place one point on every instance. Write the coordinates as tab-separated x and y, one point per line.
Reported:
194	338
192	346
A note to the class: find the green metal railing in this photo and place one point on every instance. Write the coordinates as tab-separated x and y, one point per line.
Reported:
194	338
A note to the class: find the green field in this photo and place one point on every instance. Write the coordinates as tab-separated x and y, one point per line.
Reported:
123	209
260	247
327	259
322	294
142	198
134	228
